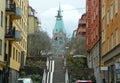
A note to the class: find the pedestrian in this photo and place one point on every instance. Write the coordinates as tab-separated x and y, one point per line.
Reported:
104	81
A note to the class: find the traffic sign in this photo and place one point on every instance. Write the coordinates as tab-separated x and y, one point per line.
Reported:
102	64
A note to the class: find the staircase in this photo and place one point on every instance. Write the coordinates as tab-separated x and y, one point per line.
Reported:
59	71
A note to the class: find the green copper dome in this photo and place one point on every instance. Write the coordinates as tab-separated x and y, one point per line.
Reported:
59	25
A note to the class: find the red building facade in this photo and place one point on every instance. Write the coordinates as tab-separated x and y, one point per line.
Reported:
93	36
92	22
81	30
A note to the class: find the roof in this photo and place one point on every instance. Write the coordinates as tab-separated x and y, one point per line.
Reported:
59	25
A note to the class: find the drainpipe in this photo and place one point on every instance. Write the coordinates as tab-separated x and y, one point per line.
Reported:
7	69
100	36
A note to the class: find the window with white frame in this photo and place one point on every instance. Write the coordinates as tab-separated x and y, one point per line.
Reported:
116	6
103	11
108	17
103	24
103	8
103	30
103	36
116	37
86	8
112	41
111	11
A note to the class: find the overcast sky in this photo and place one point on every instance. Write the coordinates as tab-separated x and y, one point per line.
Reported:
47	10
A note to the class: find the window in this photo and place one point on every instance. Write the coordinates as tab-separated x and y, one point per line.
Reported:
108	17
103	24
103	36
116	37
13	53
92	21
16	55
111	12
97	12
108	44
1	18
19	59
96	31
0	46
94	16
94	34
112	41
116	6
103	31
103	8
60	42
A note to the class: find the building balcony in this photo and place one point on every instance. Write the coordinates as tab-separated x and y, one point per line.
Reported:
18	13
10	9
13	35
14	11
82	21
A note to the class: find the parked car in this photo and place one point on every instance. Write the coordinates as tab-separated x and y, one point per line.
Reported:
24	80
83	81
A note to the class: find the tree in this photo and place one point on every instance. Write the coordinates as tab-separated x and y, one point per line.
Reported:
34	68
78	69
38	42
78	45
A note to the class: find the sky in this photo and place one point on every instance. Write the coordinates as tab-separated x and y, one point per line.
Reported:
47	10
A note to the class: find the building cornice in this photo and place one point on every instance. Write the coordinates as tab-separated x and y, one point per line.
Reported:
112	53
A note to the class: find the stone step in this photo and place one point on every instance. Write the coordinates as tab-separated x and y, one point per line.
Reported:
59	72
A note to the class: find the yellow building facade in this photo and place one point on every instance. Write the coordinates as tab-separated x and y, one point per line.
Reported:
2	30
111	38
16	20
33	21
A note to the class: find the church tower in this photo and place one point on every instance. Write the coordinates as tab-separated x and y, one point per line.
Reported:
59	35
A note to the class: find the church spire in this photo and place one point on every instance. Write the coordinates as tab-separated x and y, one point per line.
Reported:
59	16
59	25
59	34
